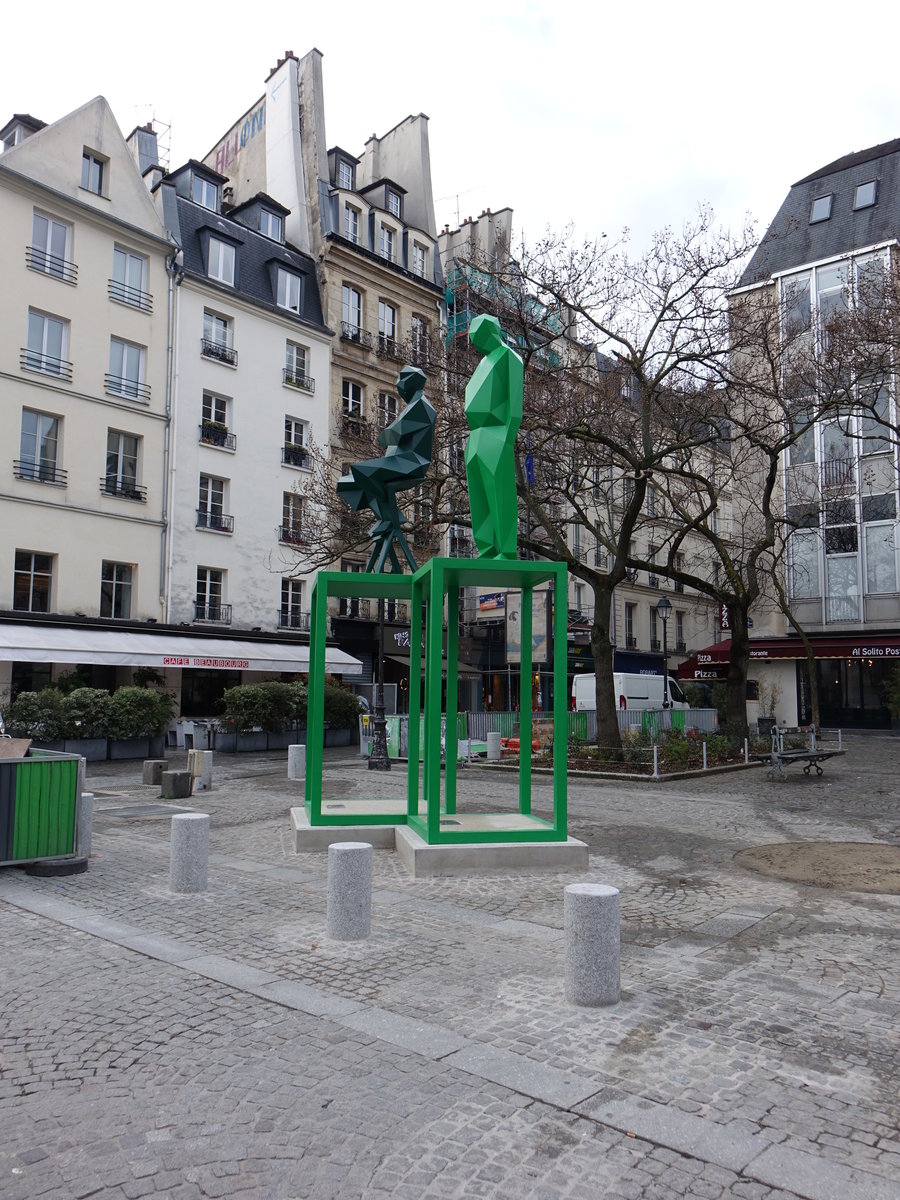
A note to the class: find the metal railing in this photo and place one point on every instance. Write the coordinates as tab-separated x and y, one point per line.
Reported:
40	472
125	489
219	613
132	389
293	620
388	347
354	426
219	522
295	456
51	264
34	360
355	333
296	379
218	351
213	435
351	606
130	295
292	535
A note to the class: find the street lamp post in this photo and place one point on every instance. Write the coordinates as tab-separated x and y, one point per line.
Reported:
664	611
379	759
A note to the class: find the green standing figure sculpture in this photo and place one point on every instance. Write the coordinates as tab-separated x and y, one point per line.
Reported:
374	483
494	413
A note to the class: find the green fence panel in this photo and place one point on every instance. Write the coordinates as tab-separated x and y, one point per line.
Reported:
578	726
44	823
678	719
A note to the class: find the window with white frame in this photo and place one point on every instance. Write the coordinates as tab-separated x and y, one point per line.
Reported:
210	594
122	454
292	603
386	245
115	589
46	347
39	447
290	290
841	560
271	225
679	630
214	409
205	193
296	437
51	243
221	261
865	194
291	517
418	339
874	423
345	175
126	370
93	173
351	308
820	209
351	223
218	332
654	628
296	366
351	398
211	504
881	558
418	259
630	639
387	326
393	203
387	408
129	278
32	581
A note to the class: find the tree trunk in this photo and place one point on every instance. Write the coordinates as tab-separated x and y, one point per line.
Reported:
602	654
736	685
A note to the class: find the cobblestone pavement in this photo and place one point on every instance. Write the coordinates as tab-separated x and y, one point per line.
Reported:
220	1044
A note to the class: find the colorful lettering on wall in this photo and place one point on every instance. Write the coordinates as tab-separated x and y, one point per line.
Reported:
227	151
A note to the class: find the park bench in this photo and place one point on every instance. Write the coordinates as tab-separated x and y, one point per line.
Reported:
800	744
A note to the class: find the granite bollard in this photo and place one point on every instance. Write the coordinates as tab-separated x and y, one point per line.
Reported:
591	919
176	785
296	762
493	747
189	852
349	913
153	769
85	825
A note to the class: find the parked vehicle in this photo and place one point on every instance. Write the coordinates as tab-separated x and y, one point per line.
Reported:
632	691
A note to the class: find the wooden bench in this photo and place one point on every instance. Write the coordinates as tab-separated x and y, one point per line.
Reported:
820	744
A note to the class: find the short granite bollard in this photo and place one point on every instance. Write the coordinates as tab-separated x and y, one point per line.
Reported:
296	762
493	747
85	825
591	919
153	769
189	852
349	913
176	785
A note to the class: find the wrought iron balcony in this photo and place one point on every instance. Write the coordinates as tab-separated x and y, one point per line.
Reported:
295	456
34	360
51	264
654	644
353	426
129	295
631	643
681	647
212	433
396	611
218	351
292	535
652	580
297	379
218	522
388	347
132	389
355	333
40	472
352	606
293	620
219	613
125	489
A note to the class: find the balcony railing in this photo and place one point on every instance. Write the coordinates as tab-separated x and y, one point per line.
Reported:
34	360
297	379
125	489
355	333
654	644
396	611
631	643
218	522
293	620
418	353
132	389
292	535
837	472
40	472
295	456
51	264
214	434
388	347
218	351
681	647
130	295
219	613
353	426
677	586
351	606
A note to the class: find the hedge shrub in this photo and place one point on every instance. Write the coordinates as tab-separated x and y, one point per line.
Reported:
138	712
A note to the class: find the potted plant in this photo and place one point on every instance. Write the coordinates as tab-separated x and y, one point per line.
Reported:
214	432
39	716
137	721
341	715
86	713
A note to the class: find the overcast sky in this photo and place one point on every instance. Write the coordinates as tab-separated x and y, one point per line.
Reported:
563	112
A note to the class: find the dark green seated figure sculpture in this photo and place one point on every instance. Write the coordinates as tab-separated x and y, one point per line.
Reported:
374	483
494	413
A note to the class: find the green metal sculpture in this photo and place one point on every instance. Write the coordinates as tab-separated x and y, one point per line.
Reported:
494	413
408	442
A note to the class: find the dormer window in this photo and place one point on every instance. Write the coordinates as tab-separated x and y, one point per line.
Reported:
821	209
221	261
93	173
387	243
205	193
271	225
351	223
345	175
393	203
289	290
866	194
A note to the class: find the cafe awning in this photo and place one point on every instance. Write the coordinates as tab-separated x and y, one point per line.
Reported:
463	671
42	643
711	662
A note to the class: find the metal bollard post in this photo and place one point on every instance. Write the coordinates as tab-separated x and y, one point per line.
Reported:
655	774
349	912
493	747
704	756
746	751
296	762
189	852
591	918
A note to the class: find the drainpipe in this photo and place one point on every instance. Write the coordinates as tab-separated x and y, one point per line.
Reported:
176	274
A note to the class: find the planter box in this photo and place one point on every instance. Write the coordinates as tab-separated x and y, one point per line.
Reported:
338	737
158	747
57	747
225	743
250	743
93	749
281	740
129	748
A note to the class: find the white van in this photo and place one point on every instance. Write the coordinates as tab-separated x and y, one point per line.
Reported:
632	691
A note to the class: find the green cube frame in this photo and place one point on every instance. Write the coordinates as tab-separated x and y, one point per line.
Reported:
442	577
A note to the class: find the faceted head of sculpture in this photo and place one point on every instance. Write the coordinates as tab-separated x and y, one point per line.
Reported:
409	381
485	333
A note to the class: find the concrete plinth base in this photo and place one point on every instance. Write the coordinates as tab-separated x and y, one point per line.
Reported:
320	837
422	860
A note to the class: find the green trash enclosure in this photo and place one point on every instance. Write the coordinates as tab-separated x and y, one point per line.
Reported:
37	808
